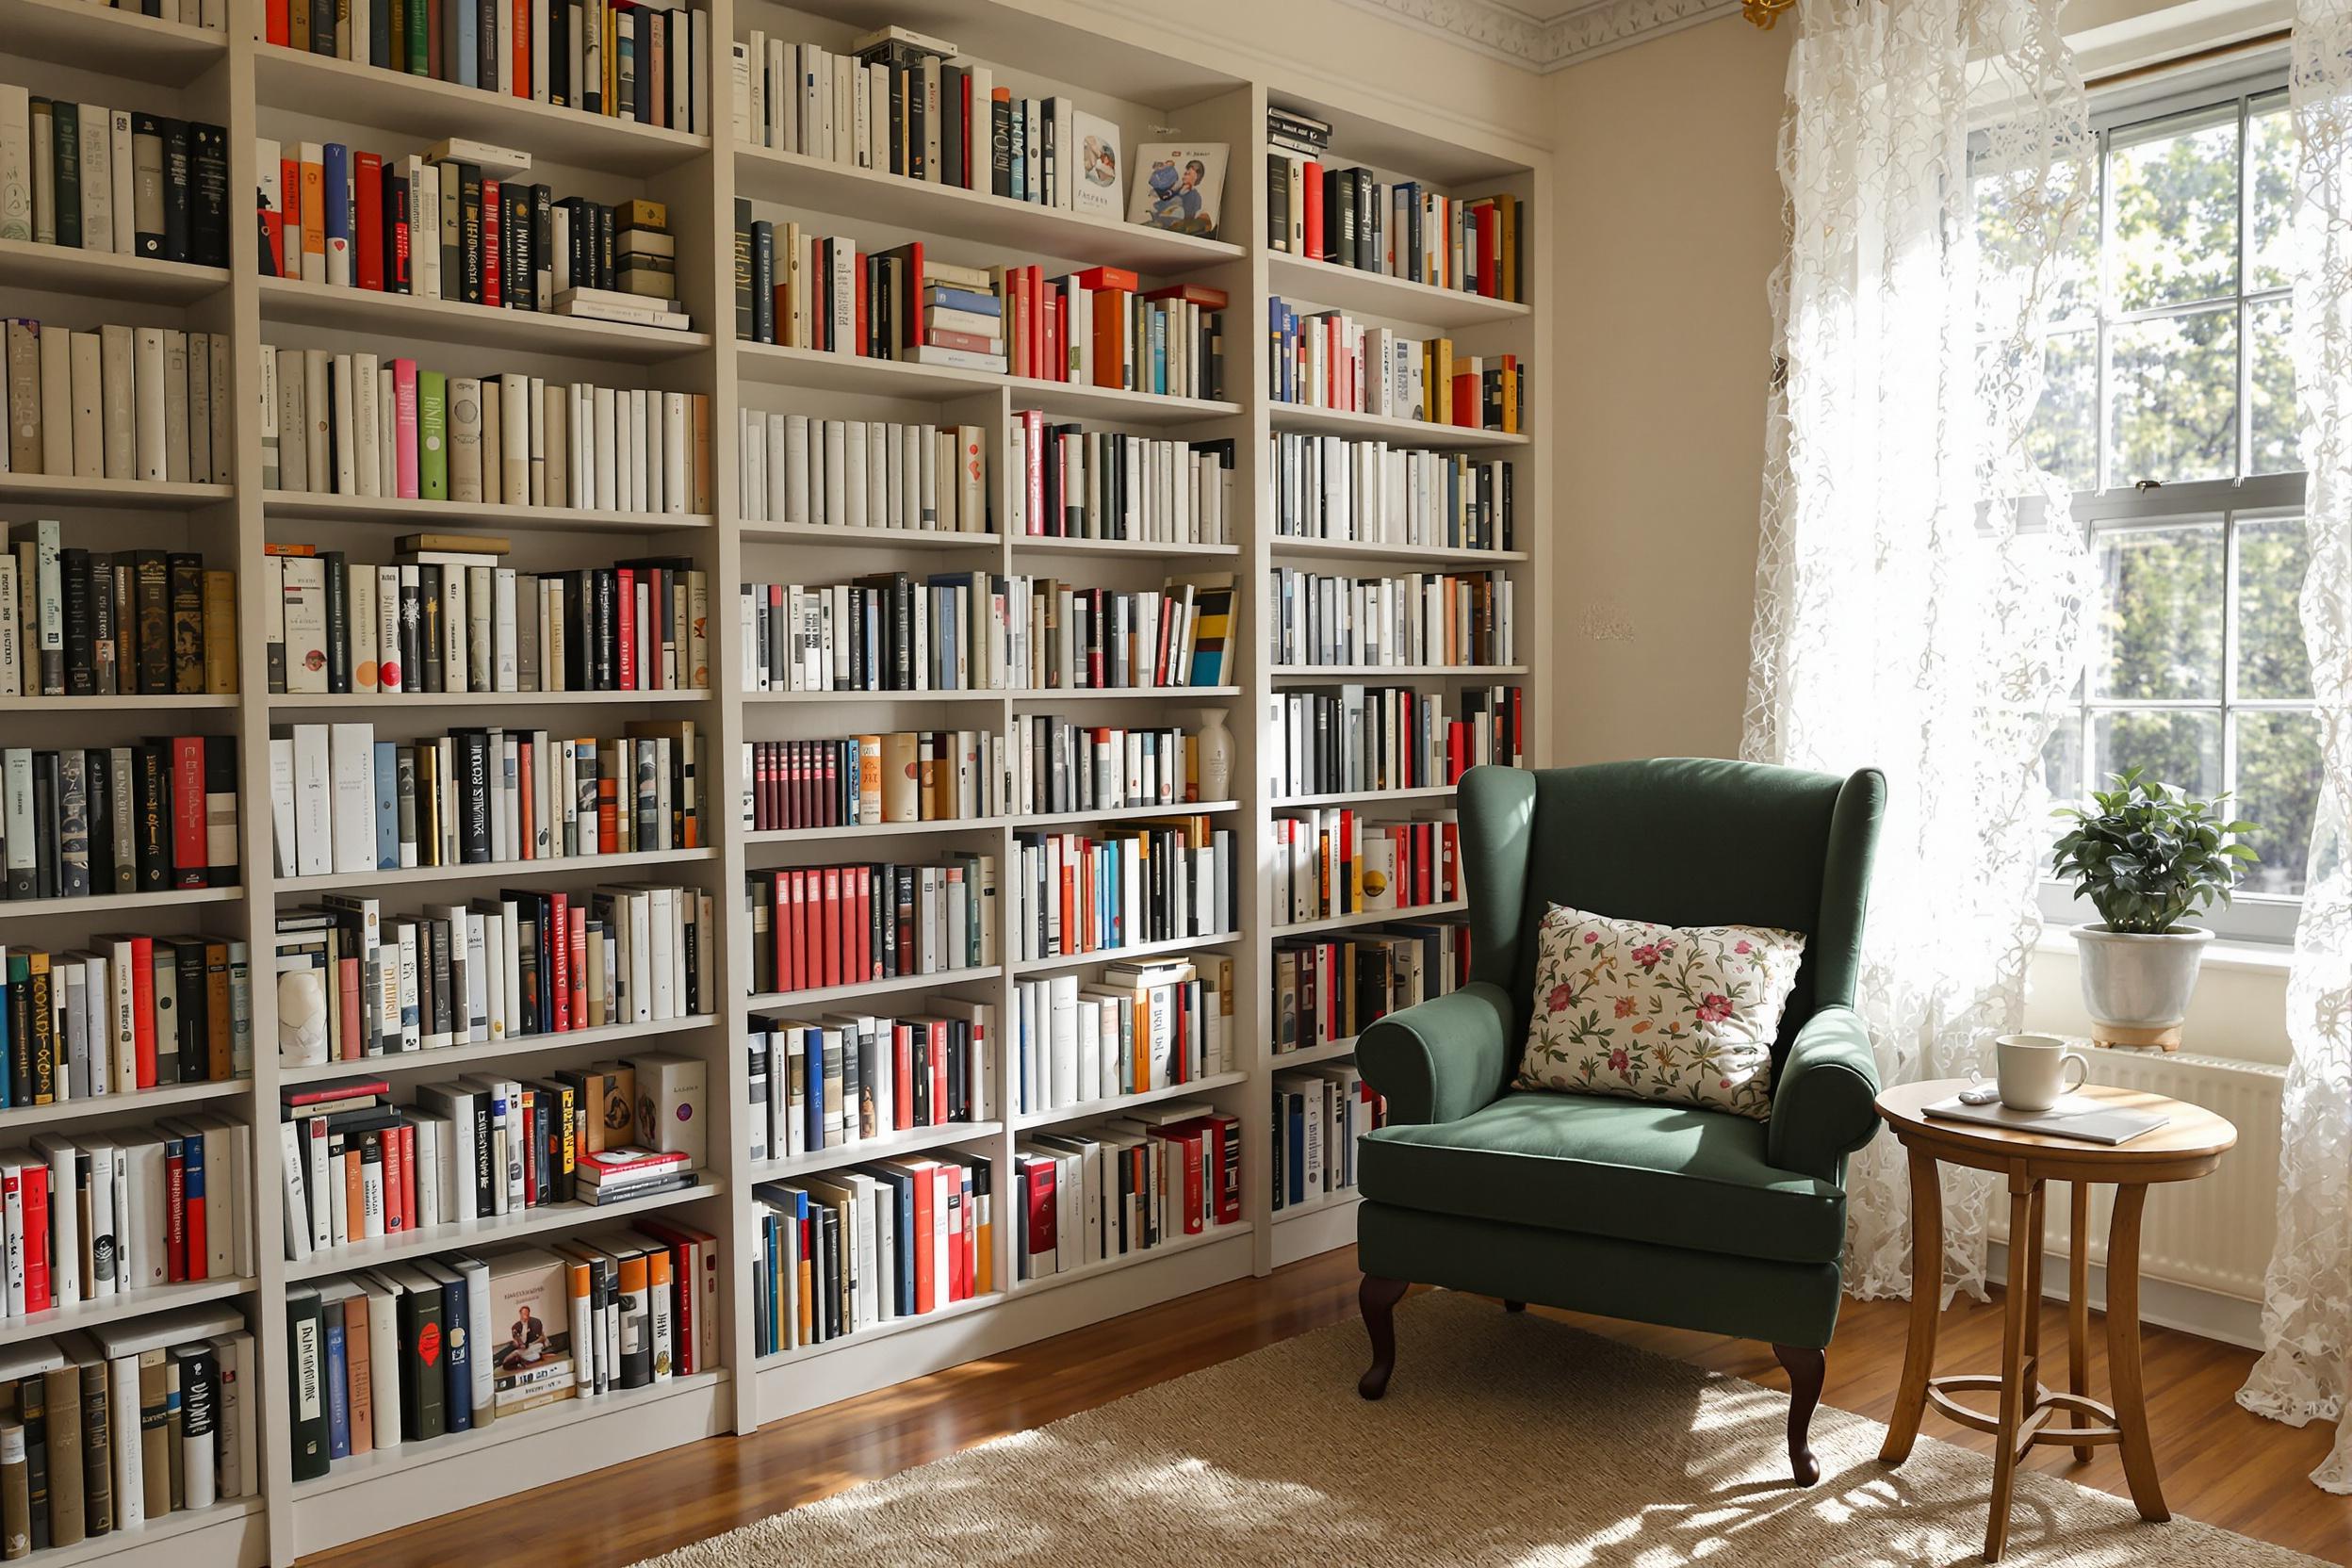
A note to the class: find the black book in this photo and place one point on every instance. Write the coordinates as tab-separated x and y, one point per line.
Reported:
400	234
32	1409
423	1382
1277	201
486	42
473	783
178	195
195	1036
65	148
1001	146
1368	220
952	123
559	24
643	107
411	612
519	279
219	810
73	823
80	672
208	195
543	245
46	788
755	277
338	622
604	674
469	230
897	131
307	1384
604	244
917	127
98	765
427	657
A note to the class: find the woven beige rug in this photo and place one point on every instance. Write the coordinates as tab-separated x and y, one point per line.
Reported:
1503	1440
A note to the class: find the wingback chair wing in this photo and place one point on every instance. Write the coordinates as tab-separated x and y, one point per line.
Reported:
1662	1214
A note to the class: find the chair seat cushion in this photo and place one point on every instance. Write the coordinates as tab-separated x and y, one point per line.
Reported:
1673	1175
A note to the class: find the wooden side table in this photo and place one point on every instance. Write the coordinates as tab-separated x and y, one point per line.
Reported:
2190	1144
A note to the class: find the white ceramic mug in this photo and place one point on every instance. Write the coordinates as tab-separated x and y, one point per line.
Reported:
2031	1070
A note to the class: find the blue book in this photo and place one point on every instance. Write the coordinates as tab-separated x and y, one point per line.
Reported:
962	299
338	166
1020	152
901	1187
1157	380
388	806
458	1412
468	45
338	1387
190	1150
814	1075
1294	1167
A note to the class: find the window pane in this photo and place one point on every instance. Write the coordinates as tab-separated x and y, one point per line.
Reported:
2062	761
2172	399
2158	632
2180	747
2270	165
2278	791
2065	437
2274	555
2172	211
2271	388
2007	259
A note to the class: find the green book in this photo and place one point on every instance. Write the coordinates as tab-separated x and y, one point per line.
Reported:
306	1382
433	435
419	51
65	179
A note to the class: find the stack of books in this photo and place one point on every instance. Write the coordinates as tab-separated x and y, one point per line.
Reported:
842	1080
867	1245
1458	618
1333	988
1140	1028
93	1216
1333	861
80	623
1329	359
143	403
818	926
1106	1189
158	815
1329	487
1081	483
1065	636
1158	879
869	780
1057	766
123	1014
1354	739
124	180
1320	1115
860	473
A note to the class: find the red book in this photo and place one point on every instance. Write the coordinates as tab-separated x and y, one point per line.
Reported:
346	1004
408	1170
902	1077
958	1197
521	31
862	340
188	811
1109	280
1054	366
198	1252
829	928
866	964
937	1029
275	29
580	964
1191	293
559	950
963	107
1311	211
1040	1200
144	1007
175	1214
1489	275
291	213
395	1205
1032	280
32	1185
787	917
625	594
492	206
398	280
368	237
926	1213
531	1165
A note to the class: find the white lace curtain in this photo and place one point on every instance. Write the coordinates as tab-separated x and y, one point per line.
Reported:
2306	1308
1910	615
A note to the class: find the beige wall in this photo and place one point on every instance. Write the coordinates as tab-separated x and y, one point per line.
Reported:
1669	226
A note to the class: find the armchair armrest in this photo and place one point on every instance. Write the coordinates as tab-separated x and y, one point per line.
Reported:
1823	1106
1440	1060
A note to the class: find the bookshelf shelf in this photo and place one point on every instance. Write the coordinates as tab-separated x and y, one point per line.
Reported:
291	702
1363	293
820	370
1307	675
959	824
1037	695
126	493
1424	793
550	866
1063	1114
866	538
1076	400
968	693
338	90
106	274
158	1535
1124	813
1369	917
1364	549
915	1141
464	1059
435	516
803	1353
123	1304
296	301
1312	1228
1134	952
1331	1050
765	1001
106	904
1148	549
793	179
1384	427
146	48
477	1233
164	1099
133	703
1112	1265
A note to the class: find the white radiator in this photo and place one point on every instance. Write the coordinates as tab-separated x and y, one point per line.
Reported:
2212	1234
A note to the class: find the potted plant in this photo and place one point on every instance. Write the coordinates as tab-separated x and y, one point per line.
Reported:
2147	857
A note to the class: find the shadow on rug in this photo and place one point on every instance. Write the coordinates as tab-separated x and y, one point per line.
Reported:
1504	1439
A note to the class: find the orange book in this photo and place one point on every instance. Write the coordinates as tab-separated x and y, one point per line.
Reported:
313	214
361	1395
663	1328
522	48
1111	334
355	1196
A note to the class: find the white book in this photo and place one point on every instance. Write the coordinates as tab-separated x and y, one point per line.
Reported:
153	438
16	163
314	803
361	436
345	394
317	421
56	390
175	445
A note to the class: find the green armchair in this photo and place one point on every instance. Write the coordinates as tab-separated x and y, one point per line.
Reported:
1661	1213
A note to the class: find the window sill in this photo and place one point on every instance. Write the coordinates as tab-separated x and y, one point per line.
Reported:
2252	958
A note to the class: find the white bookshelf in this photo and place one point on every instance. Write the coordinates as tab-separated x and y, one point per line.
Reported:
75	49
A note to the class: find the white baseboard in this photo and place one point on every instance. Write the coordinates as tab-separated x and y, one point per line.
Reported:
2209	1315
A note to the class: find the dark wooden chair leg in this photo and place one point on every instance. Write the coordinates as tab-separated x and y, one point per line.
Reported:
1515	1306
1805	1369
1377	1297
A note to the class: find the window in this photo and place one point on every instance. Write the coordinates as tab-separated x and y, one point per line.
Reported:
2169	408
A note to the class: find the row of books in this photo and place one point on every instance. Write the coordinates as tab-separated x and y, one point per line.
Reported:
1332	860
125	1014
869	780
442	225
1332	989
847	1079
1413	618
1373	492
1353	218
641	60
160	814
900	102
450	617
92	178
149	404
1328	359
357	1166
353	424
1081	483
409	1352
98	1217
818	926
1120	887
356	983
118	1427
80	623
805	290
859	473
343	802
210	15
1054	765
1108	1189
1320	1115
868	1245
1355	738
1141	1027
1101	327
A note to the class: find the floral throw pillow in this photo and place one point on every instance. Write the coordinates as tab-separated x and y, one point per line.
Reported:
1639	1011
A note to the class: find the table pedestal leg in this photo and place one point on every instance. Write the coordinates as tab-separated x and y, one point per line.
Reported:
2079	1299
2016	1396
2123	1351
1927	1290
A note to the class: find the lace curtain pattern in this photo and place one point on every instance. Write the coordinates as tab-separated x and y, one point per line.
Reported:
1912	616
2307	1305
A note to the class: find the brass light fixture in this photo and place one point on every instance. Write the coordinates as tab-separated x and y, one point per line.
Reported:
1765	12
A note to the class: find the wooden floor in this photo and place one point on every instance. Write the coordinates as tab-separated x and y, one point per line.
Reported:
2219	1463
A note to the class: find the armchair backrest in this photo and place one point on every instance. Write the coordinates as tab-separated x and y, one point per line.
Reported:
1679	841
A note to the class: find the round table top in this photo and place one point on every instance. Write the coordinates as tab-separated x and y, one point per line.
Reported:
2192	1136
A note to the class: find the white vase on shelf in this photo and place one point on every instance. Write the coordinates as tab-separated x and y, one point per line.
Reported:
1217	755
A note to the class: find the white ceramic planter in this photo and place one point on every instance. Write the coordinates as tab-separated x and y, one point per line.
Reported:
2136	986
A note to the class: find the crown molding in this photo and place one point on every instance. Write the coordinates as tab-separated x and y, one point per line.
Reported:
1503	33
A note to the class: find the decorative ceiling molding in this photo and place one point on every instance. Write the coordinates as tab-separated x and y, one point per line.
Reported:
1505	33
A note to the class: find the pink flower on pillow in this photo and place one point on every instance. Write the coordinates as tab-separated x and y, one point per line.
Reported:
1745	946
1592	937
1648	953
1625	1006
1560	998
1620	1062
1714	1008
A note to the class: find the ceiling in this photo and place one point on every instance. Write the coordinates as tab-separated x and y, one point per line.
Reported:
1546	35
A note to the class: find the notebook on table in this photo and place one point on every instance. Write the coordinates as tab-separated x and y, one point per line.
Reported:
2074	1116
